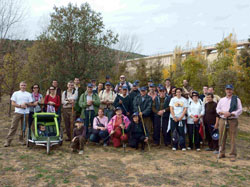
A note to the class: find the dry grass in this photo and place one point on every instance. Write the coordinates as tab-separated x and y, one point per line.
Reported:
98	166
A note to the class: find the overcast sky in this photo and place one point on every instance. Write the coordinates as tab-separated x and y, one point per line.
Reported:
160	25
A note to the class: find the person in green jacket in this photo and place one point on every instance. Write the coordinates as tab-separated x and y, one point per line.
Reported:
89	103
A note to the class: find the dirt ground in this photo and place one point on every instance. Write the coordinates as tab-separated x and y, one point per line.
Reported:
99	166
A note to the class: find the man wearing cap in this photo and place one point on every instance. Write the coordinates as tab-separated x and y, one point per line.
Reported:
123	101
89	103
152	91
79	136
161	111
107	98
117	126
229	108
108	79
135	91
69	97
123	82
143	104
150	81
93	82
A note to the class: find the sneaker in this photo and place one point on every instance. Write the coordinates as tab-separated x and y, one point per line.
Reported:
188	148
198	150
216	152
80	152
174	149
105	145
183	149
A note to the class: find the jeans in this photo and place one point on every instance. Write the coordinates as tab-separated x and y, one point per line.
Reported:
101	135
180	131
109	113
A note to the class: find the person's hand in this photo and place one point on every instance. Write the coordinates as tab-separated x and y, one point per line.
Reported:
36	103
122	126
102	128
51	103
112	132
175	119
146	139
120	101
199	116
140	113
179	119
196	119
227	114
23	106
127	113
73	139
216	126
160	113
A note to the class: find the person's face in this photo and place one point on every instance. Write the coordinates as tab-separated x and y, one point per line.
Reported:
42	128
55	84
151	89
210	90
78	125
143	92
35	88
205	90
173	92
209	98
195	97
120	90
100	86
107	87
93	83
185	82
167	83
122	78
124	91
229	92
135	88
23	86
162	93
136	119
178	93
100	113
90	89
76	81
118	112
52	90
149	83
71	86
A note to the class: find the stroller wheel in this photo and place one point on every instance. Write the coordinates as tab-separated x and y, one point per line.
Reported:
48	145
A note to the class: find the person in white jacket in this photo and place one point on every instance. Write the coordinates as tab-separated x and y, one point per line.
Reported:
195	113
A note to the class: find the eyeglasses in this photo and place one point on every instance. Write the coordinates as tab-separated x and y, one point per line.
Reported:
35	87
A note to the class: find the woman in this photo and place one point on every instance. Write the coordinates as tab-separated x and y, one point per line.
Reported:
211	122
52	101
100	128
178	108
195	113
116	127
37	98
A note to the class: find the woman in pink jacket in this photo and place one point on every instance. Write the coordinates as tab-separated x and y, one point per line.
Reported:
116	127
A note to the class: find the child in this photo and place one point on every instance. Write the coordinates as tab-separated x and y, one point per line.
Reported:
79	135
136	132
42	130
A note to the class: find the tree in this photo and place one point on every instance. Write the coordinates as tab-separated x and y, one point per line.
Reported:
75	44
155	71
141	72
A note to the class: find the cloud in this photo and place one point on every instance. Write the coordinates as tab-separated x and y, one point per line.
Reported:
222	18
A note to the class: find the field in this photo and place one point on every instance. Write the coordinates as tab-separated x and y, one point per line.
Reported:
99	166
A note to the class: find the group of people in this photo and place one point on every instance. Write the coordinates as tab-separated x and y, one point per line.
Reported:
133	114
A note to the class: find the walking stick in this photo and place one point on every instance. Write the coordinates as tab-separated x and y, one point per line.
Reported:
123	134
143	125
161	130
72	121
221	140
24	125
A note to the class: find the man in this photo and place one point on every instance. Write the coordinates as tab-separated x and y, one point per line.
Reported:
152	91
150	81
186	88
168	87
123	101
77	84
108	79
89	103
107	98
80	90
216	97
205	92
144	103
229	108
58	90
69	97
161	111
135	91
123	82
20	100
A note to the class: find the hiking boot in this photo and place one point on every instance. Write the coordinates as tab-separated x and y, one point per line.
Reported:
7	144
222	156
80	152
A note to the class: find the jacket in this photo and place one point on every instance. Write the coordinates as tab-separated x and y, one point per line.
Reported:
112	122
83	103
156	106
125	106
136	130
146	105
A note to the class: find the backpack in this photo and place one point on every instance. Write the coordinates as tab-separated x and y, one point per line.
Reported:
127	84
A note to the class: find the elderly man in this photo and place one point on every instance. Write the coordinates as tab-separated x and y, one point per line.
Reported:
229	108
20	100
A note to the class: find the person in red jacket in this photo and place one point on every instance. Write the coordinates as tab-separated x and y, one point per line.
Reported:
52	101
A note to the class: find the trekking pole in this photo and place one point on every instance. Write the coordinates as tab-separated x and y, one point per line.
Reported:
123	143
221	140
24	125
161	130
72	121
193	133
143	125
